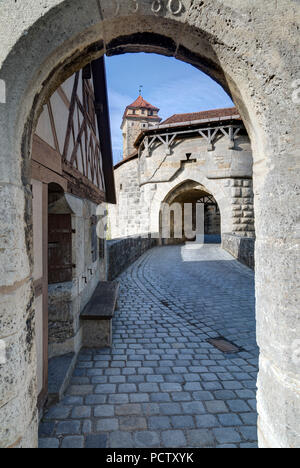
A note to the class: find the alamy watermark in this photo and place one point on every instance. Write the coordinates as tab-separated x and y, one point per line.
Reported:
2	92
177	221
296	92
2	352
296	352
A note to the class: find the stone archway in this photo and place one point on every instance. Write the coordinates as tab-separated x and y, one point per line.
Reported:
221	194
185	197
238	45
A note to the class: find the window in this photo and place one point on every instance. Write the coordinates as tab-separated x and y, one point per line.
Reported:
101	248
94	238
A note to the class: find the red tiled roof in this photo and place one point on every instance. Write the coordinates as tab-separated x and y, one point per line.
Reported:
140	102
210	114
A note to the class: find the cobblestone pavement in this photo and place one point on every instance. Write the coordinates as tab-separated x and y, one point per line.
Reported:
162	384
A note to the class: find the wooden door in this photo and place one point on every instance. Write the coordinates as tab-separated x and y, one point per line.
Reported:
60	248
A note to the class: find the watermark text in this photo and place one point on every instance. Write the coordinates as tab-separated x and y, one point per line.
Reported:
2	92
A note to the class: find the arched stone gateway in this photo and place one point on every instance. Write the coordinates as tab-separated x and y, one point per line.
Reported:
222	198
210	147
253	51
179	215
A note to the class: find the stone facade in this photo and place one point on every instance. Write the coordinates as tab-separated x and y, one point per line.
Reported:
67	300
252	49
125	217
143	183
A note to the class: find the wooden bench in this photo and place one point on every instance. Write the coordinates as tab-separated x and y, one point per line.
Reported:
98	314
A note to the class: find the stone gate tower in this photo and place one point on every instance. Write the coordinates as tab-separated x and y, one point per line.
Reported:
137	116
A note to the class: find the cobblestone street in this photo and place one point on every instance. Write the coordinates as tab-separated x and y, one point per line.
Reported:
162	384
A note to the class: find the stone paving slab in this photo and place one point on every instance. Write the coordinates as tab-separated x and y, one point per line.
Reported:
162	384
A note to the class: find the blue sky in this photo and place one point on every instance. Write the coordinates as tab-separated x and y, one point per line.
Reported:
173	86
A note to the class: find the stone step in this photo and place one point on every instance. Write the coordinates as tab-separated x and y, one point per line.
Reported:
60	371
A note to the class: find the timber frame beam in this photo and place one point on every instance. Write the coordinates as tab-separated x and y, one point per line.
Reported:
210	134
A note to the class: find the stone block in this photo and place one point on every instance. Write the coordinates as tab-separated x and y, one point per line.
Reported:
97	333
48	443
120	439
201	438
107	425
132	423
173	439
159	422
68	427
73	442
96	441
146	439
226	435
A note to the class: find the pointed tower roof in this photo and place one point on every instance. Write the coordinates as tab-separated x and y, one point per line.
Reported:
141	103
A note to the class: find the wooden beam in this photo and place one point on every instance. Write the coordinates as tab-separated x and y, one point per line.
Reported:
44	154
63	97
102	112
81	186
47	176
53	128
71	115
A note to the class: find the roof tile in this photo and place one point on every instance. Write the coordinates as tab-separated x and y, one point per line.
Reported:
140	102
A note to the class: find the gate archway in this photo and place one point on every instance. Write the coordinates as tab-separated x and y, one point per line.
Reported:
232	44
185	197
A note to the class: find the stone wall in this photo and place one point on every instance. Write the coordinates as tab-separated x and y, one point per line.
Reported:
121	253
131	130
144	184
242	248
125	217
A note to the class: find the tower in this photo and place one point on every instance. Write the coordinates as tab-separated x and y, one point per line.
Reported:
137	116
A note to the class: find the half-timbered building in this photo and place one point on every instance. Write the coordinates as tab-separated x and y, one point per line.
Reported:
71	176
